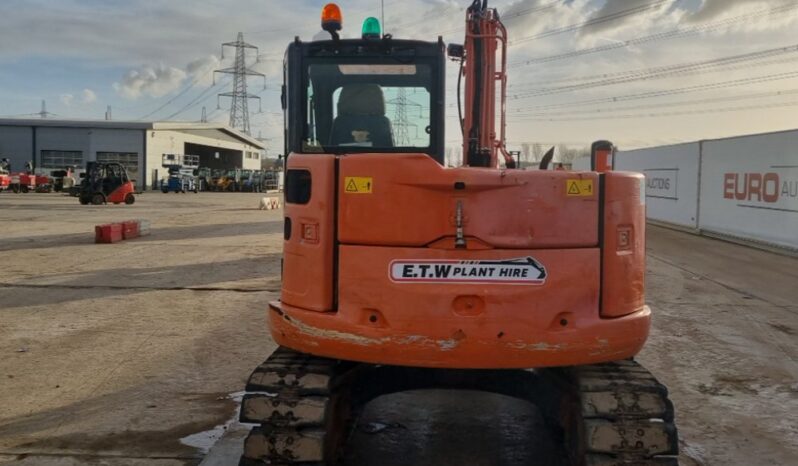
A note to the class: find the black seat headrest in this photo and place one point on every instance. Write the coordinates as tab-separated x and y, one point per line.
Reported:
361	100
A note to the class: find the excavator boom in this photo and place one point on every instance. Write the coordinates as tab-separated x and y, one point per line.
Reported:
485	39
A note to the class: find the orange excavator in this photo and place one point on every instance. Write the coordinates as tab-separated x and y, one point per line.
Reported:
400	273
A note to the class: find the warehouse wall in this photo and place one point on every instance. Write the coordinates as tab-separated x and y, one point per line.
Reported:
16	144
68	139
120	140
90	141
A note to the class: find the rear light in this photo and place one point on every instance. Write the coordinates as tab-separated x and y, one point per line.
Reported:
298	186
287	228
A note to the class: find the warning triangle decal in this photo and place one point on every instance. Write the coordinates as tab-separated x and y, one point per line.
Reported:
573	188
351	187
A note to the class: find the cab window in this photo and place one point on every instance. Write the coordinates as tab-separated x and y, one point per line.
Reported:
362	107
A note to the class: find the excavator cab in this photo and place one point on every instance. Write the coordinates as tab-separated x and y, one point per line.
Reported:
364	96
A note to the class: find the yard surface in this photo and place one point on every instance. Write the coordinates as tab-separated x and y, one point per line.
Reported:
111	354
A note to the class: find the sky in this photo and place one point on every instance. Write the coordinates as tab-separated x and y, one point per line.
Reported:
637	72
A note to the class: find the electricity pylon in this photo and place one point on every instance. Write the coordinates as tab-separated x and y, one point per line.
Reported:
239	109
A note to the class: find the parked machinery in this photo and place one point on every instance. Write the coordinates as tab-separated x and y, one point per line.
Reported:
22	182
272	180
251	181
400	273
106	182
5	176
204	179
44	184
182	172
227	180
63	180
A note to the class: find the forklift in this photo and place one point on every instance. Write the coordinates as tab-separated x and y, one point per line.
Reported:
106	182
5	178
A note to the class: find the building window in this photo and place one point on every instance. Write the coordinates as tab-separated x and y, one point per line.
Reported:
62	159
130	160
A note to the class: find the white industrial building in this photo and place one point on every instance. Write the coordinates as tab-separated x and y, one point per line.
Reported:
52	144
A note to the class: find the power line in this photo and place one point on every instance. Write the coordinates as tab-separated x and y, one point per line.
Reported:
534	9
692	102
674	91
593	21
663	71
664	114
724	67
432	15
672	34
198	99
190	86
509	16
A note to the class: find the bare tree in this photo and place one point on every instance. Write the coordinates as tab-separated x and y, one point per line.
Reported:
567	154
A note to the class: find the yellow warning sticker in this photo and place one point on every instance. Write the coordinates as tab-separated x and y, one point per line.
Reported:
357	185
579	187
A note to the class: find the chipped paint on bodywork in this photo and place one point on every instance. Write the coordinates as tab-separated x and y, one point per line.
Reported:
447	345
443	345
542	346
333	334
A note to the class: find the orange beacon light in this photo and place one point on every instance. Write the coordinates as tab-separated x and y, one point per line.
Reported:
331	20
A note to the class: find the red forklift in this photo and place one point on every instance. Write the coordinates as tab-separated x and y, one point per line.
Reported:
106	182
5	177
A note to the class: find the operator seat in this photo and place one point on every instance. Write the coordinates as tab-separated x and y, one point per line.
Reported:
361	118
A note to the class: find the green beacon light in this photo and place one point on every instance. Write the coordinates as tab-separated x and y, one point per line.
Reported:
371	28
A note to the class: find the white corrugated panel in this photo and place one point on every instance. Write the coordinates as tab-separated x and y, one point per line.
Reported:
671	181
581	164
749	187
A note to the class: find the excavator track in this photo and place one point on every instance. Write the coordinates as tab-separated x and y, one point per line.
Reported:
619	415
611	414
297	400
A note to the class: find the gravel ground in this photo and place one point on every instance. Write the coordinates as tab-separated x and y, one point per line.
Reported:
110	354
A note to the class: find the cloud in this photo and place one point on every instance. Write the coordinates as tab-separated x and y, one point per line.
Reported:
126	33
157	80
88	96
201	69
531	17
712	9
616	15
150	80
